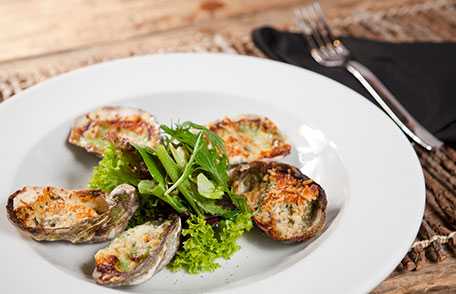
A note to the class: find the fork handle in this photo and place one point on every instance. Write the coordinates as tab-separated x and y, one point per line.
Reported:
393	107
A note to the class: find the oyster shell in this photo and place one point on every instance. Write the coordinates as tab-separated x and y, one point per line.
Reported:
78	216
138	253
289	205
95	130
250	137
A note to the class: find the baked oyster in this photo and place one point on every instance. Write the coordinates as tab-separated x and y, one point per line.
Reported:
78	216
250	137
94	131
138	253
289	206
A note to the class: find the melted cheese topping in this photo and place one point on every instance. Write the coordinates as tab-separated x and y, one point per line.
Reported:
250	138
55	208
284	202
287	208
95	130
129	249
285	220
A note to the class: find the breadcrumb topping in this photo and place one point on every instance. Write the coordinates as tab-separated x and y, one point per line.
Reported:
95	130
56	208
250	138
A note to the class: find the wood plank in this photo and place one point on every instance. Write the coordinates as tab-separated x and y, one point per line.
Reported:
39	27
32	28
239	26
433	278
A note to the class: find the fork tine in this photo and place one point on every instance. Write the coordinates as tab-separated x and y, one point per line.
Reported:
324	24
304	25
323	30
304	22
323	50
299	19
336	43
324	44
310	20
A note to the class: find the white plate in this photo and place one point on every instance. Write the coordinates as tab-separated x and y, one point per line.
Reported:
369	170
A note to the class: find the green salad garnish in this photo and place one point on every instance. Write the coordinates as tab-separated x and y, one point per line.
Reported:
186	174
114	169
207	243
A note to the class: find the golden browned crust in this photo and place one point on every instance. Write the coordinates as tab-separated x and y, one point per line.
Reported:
107	267
289	206
78	216
250	138
114	124
11	213
50	201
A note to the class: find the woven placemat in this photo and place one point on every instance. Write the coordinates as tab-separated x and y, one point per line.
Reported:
417	21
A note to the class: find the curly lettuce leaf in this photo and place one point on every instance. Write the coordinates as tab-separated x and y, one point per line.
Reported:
199	251
114	169
204	244
230	231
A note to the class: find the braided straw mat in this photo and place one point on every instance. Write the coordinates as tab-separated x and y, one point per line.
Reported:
433	20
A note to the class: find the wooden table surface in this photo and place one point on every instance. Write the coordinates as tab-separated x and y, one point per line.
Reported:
37	32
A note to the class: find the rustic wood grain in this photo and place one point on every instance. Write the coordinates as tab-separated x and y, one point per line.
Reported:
432	278
240	26
32	28
41	27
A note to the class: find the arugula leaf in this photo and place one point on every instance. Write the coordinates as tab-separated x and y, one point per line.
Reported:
188	166
179	155
211	207
211	157
173	172
181	133
151	165
148	187
239	201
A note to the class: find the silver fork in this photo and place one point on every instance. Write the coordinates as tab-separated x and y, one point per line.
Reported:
329	51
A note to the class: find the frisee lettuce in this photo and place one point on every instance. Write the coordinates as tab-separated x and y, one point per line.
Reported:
114	169
204	244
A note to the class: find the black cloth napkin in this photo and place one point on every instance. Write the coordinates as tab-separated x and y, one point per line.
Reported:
422	76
